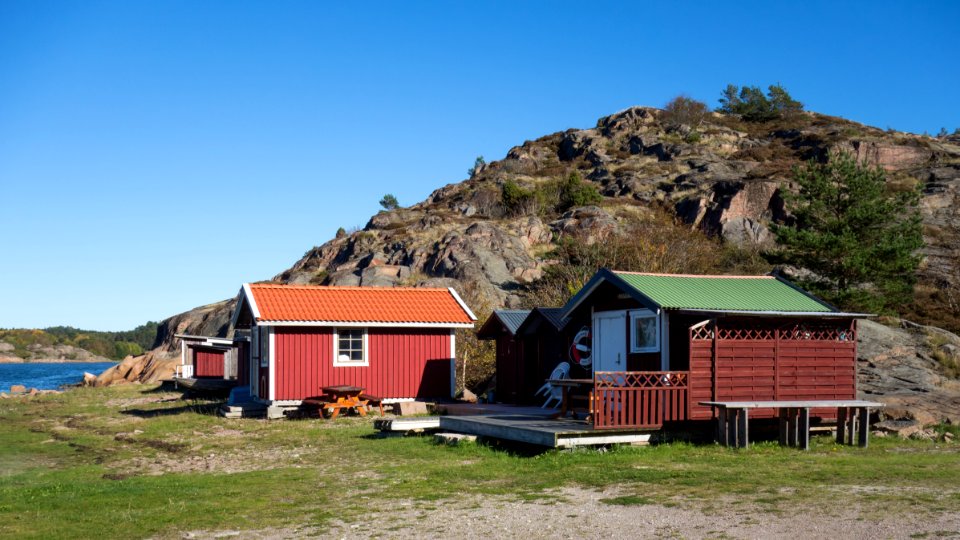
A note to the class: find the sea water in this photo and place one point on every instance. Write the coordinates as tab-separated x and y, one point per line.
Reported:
47	376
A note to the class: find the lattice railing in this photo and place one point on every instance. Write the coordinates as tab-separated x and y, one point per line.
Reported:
802	331
815	332
703	330
640	379
639	399
745	333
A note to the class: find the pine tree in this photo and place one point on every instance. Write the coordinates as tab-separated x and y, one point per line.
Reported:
389	202
859	238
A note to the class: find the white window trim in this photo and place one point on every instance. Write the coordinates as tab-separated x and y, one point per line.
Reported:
644	314
351	363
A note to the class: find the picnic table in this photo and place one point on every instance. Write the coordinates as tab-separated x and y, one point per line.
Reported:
853	420
567	386
340	397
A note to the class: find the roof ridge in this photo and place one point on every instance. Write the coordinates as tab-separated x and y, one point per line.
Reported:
712	276
341	287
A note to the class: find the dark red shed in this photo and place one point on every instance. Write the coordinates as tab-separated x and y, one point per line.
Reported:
661	344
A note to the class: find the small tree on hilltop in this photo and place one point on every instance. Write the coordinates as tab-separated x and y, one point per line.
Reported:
753	106
858	237
684	110
389	202
478	165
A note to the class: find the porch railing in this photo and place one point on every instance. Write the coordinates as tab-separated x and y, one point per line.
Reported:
639	399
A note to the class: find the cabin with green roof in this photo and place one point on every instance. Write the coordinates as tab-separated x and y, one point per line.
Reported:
660	344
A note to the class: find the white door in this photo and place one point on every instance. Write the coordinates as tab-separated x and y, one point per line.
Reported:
610	341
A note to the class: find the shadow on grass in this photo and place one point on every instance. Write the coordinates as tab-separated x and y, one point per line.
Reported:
196	408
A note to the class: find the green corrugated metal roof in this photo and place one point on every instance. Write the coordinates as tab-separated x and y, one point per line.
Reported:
722	293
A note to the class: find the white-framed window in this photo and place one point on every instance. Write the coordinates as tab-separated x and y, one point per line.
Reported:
644	331
350	347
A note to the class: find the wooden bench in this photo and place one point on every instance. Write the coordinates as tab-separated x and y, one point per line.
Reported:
794	420
373	401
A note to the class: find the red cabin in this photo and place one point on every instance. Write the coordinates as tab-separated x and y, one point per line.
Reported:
660	344
396	343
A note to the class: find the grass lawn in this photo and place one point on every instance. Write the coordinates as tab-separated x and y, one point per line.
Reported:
134	461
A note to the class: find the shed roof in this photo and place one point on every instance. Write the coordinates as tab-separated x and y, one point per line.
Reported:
315	305
722	294
728	293
509	319
554	315
512	318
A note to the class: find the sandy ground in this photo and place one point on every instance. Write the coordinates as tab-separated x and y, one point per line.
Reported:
583	515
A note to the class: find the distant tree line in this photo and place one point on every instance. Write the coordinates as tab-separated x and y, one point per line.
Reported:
113	345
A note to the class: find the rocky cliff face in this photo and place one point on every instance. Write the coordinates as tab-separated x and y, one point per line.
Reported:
726	179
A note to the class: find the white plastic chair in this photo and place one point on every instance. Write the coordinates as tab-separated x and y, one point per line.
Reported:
562	371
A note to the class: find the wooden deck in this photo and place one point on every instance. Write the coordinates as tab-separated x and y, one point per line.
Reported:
542	431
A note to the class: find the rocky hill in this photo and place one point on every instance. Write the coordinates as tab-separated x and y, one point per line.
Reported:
725	178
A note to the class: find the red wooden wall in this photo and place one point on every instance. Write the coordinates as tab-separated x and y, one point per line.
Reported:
752	363
243	363
511	381
207	363
404	363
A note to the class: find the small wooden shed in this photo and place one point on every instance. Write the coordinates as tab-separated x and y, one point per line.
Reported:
396	343
211	357
502	327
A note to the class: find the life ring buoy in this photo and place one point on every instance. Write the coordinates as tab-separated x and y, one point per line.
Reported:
580	348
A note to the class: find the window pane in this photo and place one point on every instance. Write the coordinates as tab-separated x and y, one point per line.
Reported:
350	345
645	332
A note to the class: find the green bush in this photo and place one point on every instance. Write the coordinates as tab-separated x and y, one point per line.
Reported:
516	200
573	192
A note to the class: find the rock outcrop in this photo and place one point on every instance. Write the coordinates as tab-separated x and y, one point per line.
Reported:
897	367
155	366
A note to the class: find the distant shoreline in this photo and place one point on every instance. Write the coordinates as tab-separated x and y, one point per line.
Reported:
17	360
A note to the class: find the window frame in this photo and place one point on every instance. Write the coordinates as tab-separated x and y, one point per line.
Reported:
263	336
337	362
636	315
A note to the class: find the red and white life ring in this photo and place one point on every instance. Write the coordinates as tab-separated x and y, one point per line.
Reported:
580	348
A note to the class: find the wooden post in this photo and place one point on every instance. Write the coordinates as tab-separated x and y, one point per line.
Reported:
841	424
784	422
864	426
791	427
722	426
851	426
744	440
804	428
731	415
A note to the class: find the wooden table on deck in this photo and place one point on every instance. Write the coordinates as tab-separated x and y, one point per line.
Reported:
342	397
852	415
567	385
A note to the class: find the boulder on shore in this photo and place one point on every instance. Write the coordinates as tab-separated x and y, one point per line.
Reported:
155	366
18	389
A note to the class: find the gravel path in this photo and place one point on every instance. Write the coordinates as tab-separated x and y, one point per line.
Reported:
588	517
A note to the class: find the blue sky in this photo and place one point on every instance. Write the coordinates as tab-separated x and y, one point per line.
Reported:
155	155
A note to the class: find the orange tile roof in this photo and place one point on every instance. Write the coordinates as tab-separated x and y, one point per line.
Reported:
302	303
